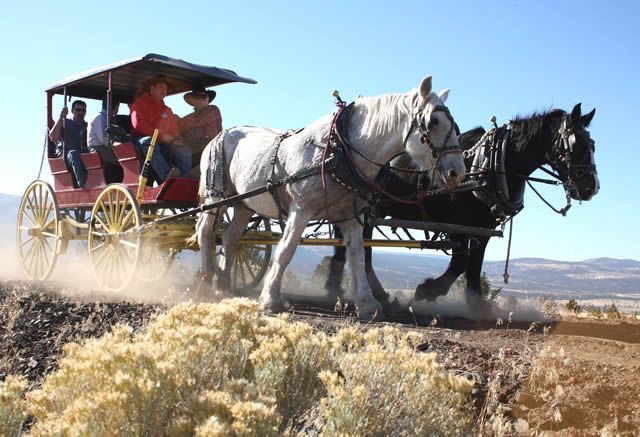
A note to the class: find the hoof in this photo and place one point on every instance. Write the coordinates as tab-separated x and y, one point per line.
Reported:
271	304
334	291
202	287
428	291
370	312
481	306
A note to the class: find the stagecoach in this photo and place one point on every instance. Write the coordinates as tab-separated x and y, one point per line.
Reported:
134	229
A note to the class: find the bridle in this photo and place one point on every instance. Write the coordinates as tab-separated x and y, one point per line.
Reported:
561	154
418	123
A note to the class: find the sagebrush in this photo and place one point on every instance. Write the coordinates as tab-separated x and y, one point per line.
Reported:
223	369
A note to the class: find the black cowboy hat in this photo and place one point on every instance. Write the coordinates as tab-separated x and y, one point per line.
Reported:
201	91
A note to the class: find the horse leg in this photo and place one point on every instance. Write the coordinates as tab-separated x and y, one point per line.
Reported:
376	287
474	294
205	234
270	298
230	240
333	285
368	307
432	288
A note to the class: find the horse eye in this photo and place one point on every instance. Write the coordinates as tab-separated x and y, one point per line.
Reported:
433	122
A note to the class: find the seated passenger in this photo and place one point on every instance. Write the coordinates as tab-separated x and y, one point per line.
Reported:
148	112
203	124
70	135
98	143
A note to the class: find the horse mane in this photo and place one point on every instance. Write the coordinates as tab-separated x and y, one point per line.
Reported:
381	113
527	128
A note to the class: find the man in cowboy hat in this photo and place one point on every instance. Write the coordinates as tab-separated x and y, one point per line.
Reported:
203	124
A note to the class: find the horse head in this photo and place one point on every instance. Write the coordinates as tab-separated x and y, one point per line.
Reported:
432	139
572	155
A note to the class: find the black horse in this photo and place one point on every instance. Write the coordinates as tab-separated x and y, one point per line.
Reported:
503	158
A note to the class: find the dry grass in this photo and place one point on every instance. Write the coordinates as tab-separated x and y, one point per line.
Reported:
223	369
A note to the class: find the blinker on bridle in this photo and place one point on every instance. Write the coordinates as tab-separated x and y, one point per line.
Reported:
562	153
418	123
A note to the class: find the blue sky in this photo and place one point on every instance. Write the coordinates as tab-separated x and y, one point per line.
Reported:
499	58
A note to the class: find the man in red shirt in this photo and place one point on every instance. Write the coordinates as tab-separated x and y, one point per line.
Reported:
148	112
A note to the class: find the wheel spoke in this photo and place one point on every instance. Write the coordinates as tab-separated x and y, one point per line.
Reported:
38	258
50	223
39	202
49	234
127	218
105	214
250	269
46	242
98	246
103	224
30	259
45	257
25	242
33	218
129	244
100	257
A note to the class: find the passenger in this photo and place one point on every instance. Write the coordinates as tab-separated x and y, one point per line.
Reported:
203	124
98	142
148	112
72	133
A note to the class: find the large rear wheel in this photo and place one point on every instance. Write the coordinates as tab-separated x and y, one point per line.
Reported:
38	231
251	260
115	253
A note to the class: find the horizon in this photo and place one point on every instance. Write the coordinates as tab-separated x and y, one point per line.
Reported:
502	59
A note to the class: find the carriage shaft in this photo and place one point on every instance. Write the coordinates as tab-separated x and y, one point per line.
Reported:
435	227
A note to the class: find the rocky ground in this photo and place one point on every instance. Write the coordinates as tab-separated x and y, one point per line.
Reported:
568	377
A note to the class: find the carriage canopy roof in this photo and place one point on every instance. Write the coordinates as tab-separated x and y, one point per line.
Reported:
128	76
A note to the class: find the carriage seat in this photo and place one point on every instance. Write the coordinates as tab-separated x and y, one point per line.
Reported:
131	161
63	177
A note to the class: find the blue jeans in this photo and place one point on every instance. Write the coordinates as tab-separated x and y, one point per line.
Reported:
74	161
181	156
158	161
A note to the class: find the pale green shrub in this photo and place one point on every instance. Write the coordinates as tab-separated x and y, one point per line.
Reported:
385	388
222	369
13	409
287	362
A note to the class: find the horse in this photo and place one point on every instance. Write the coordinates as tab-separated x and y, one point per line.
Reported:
370	133
555	137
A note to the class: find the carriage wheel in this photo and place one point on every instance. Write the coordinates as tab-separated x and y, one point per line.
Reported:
250	262
154	263
38	232
114	254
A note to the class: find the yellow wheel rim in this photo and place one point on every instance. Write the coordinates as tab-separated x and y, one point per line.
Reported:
114	253
38	231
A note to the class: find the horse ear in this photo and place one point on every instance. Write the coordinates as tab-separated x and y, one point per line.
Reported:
586	119
575	113
425	87
444	94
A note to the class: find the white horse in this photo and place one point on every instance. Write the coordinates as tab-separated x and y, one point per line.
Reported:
378	129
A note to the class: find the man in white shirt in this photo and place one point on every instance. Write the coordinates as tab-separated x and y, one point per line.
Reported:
97	142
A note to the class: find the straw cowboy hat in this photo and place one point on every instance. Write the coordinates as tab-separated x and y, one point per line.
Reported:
199	91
